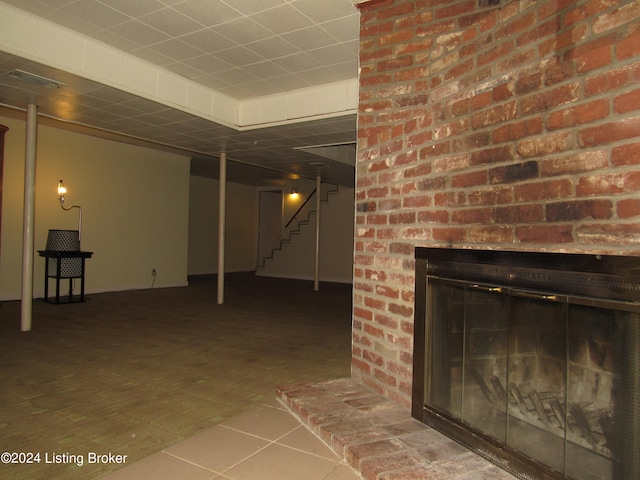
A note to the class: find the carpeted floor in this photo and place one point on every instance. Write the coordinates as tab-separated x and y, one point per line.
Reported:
133	372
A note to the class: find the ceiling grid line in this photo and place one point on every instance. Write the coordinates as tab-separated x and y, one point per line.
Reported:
291	45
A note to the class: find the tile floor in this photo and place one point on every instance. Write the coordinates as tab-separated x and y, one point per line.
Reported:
264	443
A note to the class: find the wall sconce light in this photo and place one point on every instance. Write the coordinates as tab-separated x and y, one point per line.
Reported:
62	191
294	192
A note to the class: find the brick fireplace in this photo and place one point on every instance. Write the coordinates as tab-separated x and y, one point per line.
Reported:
531	359
488	124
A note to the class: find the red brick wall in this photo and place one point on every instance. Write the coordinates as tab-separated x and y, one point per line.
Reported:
487	124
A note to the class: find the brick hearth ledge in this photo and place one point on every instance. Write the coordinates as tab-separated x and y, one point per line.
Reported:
378	438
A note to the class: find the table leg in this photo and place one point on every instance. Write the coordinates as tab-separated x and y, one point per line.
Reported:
82	282
58	273
46	279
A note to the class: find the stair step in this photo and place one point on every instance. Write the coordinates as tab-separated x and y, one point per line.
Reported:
297	231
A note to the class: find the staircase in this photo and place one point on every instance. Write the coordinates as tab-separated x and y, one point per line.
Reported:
294	257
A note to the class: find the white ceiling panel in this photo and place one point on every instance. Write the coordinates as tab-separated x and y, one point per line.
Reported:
241	48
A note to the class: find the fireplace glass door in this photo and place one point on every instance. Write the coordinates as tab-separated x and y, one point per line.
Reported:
539	373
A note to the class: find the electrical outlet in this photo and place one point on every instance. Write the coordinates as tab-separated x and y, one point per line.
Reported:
154	272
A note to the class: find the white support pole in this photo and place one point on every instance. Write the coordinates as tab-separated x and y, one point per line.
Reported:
28	222
222	200
316	273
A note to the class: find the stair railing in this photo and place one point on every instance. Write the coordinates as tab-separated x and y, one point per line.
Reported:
301	207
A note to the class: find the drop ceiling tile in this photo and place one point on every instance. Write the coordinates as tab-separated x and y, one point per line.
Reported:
135	8
122	109
208	40
212	82
10	95
346	69
183	70
112	95
332	54
286	83
354	46
207	64
32	6
265	88
318	76
53	3
5	58
298	62
264	70
100	118
276	62
151	119
89	102
95	13
344	29
318	12
282	19
243	30
72	22
236	91
176	50
171	22
130	126
238	56
171	116
207	12
235	76
139	33
309	38
149	107
146	53
248	8
116	41
273	47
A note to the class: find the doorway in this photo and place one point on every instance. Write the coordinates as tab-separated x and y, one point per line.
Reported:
269	223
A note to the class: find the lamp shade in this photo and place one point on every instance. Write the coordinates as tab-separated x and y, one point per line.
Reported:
63	240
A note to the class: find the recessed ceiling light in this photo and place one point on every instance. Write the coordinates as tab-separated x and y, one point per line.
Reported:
34	79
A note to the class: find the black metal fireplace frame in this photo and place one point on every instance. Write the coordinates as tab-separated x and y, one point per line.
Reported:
611	281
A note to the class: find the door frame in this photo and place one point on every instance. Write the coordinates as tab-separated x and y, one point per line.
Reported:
259	192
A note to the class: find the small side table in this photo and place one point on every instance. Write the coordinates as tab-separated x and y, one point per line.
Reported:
59	257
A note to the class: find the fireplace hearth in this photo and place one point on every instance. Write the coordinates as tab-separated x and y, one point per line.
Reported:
531	359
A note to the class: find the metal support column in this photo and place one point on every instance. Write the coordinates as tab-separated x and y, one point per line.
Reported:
316	273
221	223
28	222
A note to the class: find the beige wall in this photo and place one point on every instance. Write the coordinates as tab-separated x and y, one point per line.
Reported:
296	259
336	255
240	227
135	204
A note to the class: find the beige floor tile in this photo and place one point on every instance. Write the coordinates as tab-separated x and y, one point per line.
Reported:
277	462
161	466
302	439
342	472
217	448
275	403
263	421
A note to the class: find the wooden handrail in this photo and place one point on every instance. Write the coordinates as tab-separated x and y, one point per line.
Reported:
301	207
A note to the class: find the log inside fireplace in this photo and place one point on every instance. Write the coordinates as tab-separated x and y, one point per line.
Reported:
531	359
